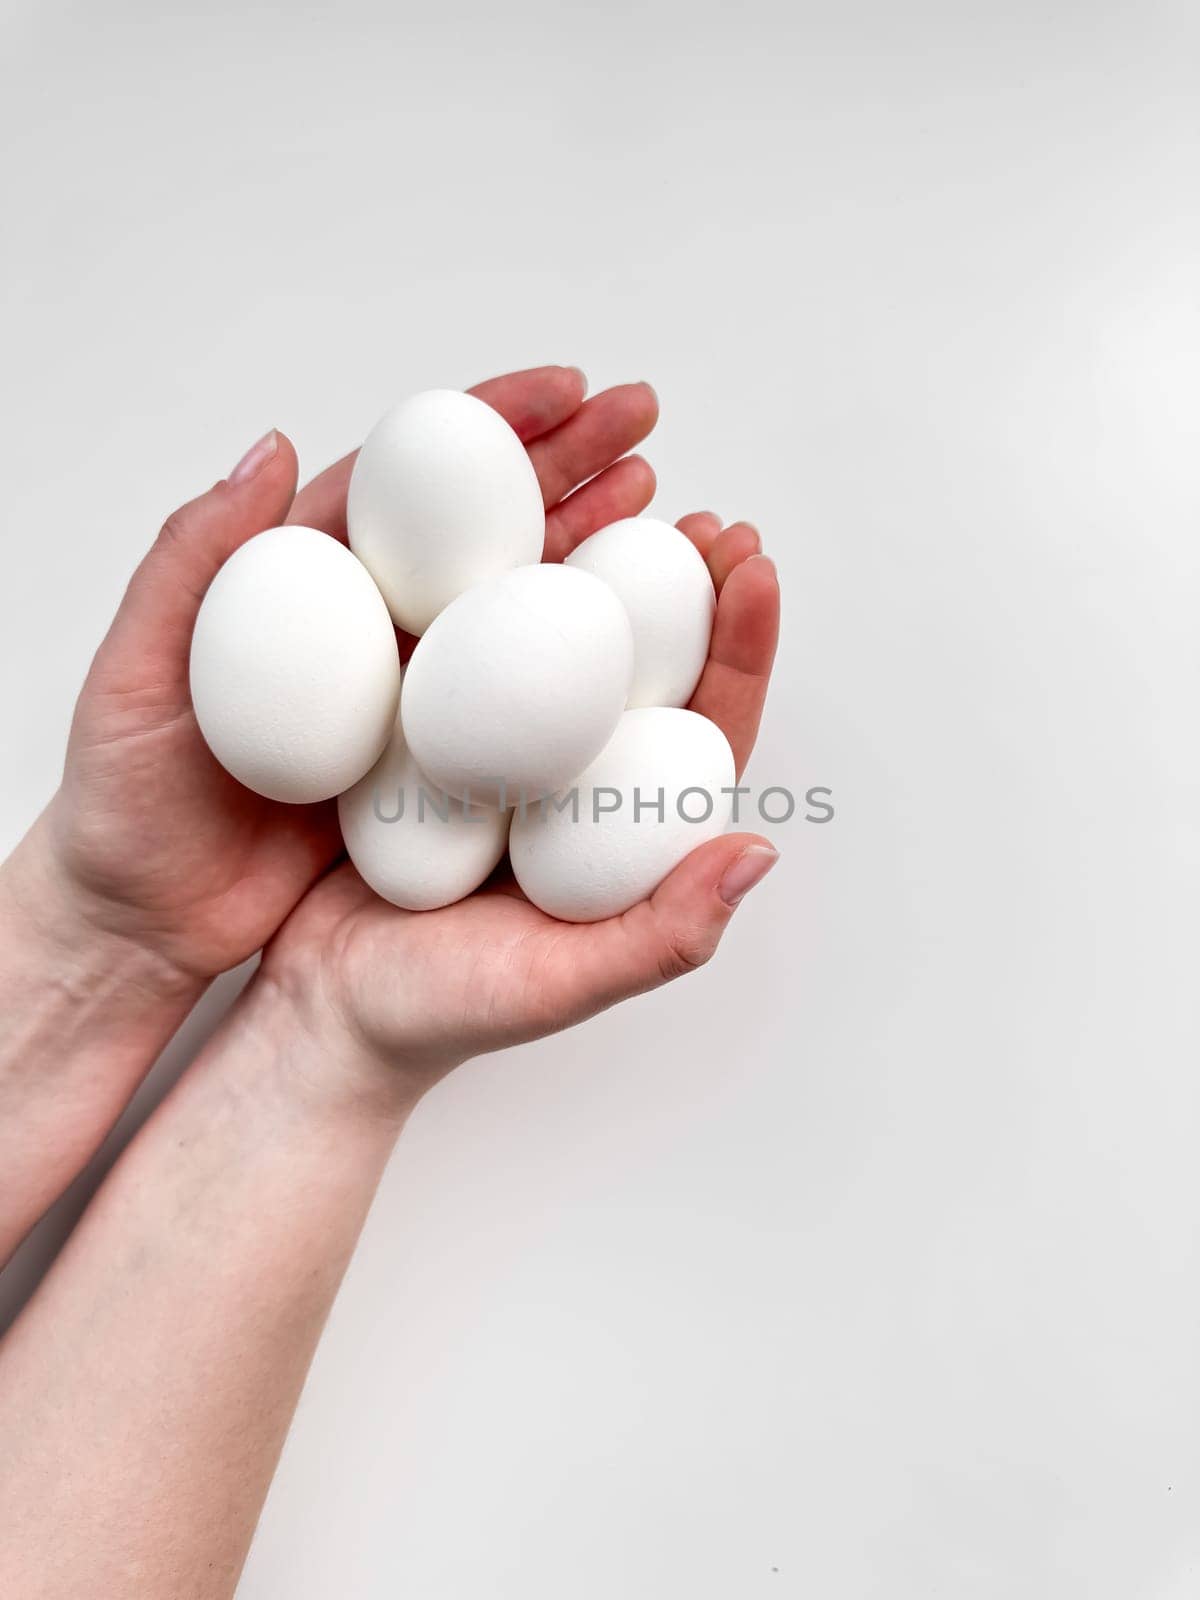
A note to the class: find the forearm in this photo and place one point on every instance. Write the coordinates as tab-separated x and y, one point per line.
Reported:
146	1390
83	1014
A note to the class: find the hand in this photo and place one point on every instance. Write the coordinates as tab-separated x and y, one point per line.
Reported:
148	837
421	992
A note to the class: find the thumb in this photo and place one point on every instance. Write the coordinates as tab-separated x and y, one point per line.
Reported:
678	929
147	646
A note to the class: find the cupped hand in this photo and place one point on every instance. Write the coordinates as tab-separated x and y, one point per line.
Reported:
414	994
148	837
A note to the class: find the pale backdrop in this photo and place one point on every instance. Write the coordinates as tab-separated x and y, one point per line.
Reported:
865	1263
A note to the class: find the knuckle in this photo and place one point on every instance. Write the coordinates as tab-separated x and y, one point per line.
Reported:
174	530
686	950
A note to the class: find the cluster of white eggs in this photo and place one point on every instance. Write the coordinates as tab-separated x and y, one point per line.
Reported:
541	709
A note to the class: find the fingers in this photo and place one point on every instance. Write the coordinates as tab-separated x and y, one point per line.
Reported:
532	403
733	685
601	431
677	930
722	549
322	503
730	548
621	490
702	528
150	637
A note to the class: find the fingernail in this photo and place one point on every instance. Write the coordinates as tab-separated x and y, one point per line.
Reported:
745	871
762	558
757	536
255	458
651	388
581	375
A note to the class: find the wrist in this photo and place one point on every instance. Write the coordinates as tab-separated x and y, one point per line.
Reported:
317	1059
56	930
85	1013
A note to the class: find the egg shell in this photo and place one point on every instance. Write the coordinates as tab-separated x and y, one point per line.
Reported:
411	842
443	495
518	684
597	866
295	673
665	586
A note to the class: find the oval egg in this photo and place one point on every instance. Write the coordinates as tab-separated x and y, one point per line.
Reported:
295	674
411	842
664	584
597	858
442	496
518	684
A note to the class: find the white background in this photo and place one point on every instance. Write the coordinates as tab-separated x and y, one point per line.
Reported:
865	1263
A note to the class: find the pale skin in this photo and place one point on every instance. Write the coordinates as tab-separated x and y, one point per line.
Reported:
146	1389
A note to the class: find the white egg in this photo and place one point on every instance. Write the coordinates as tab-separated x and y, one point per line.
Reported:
602	851
518	684
412	843
663	582
295	673
442	496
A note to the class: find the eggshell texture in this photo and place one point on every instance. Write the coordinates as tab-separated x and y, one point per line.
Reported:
295	673
520	681
582	870
662	581
443	495
414	844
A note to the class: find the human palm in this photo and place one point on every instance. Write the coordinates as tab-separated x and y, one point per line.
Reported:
425	990
161	843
